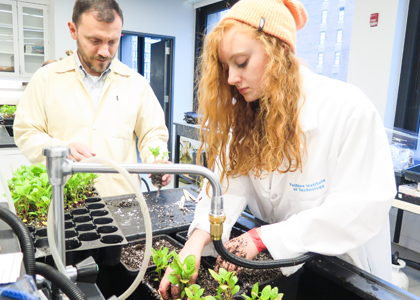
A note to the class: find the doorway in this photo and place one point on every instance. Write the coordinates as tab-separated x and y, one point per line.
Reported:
152	56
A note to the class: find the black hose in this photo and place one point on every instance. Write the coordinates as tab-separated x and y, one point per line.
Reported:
61	281
25	240
145	182
252	264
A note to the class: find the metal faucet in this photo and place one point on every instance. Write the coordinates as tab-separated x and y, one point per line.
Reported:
58	167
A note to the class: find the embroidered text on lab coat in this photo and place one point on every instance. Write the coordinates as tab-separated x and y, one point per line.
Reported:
319	185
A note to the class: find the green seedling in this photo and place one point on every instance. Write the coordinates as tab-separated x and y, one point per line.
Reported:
267	293
194	292
157	178
31	192
182	272
77	188
156	151
227	284
161	260
8	111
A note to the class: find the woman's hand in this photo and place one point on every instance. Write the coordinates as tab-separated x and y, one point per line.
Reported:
194	246
242	246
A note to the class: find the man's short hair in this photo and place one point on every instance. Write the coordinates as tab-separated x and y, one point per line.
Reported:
104	10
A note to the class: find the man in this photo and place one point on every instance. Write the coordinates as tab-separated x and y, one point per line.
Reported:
92	102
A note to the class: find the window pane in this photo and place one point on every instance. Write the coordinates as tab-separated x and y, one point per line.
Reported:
341	14
128	50
148	55
320	59
337	58
324	17
322	38
339	35
213	19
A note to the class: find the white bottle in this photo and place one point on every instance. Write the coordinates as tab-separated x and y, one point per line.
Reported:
399	278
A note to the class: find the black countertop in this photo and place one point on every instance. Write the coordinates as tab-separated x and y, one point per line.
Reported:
5	139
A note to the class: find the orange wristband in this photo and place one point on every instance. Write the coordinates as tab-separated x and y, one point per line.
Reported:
257	240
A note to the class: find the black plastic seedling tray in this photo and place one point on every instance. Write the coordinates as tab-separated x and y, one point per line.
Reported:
165	214
88	228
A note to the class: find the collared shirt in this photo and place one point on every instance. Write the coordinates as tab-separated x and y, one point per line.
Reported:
93	84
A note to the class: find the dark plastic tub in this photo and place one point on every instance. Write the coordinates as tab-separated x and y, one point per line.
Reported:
164	237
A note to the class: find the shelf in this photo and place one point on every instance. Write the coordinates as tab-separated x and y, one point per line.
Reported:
33	16
36	29
34	54
6	52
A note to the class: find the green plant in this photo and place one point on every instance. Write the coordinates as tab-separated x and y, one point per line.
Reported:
194	292
227	284
182	272
8	111
77	188
156	151
31	192
267	293
161	260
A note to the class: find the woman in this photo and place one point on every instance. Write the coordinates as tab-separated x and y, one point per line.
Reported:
307	154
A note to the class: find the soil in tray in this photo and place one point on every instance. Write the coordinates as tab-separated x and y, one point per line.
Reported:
248	277
132	255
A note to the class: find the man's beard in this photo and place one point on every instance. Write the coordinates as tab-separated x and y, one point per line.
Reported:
88	60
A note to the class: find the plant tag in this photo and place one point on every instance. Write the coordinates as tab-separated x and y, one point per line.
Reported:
181	202
189	196
10	267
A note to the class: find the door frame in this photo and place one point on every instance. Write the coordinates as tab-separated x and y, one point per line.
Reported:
171	68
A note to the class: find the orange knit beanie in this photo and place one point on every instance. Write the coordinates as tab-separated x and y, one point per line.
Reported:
280	18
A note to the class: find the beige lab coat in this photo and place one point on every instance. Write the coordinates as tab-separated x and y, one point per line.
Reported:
56	110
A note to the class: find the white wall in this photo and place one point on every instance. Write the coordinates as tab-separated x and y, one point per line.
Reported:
164	17
376	52
375	67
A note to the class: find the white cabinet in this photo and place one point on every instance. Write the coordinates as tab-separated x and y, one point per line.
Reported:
23	38
9	61
11	159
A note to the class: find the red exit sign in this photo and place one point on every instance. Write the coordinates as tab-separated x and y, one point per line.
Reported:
374	20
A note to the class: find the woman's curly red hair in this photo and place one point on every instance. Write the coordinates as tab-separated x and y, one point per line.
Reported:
260	136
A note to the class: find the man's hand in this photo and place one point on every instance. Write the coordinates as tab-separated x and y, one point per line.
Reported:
167	178
79	151
241	246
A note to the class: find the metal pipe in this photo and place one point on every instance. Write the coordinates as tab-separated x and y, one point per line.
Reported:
58	198
216	208
56	156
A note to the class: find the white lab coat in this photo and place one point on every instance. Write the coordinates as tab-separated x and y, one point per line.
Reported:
339	204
